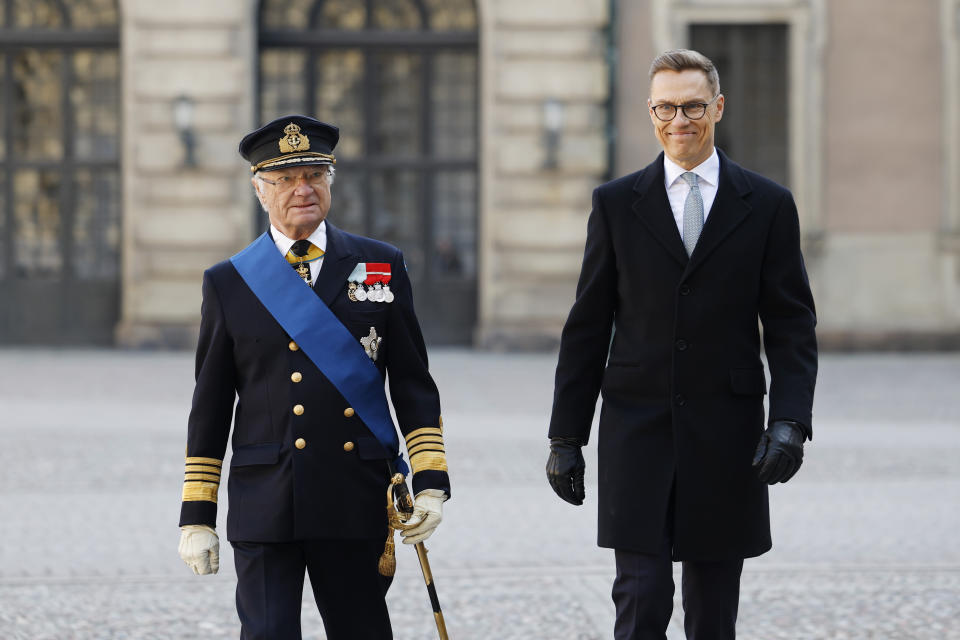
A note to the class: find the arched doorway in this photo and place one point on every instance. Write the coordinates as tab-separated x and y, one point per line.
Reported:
59	171
400	79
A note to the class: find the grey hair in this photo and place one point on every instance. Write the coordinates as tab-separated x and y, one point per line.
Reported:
683	59
331	174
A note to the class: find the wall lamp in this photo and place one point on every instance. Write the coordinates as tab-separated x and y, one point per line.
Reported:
552	126
183	110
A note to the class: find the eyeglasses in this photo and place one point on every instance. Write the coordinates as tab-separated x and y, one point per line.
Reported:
692	110
287	182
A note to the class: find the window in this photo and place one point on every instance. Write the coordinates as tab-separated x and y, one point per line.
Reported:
59	171
399	78
752	61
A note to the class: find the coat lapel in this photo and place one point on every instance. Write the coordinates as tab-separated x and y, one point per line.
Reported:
338	261
653	208
728	211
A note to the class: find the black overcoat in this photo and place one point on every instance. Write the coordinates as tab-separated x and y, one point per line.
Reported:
683	386
335	486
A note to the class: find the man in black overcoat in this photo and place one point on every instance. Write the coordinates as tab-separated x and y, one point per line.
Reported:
682	259
309	472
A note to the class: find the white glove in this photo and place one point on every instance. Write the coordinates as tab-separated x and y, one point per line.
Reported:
200	548
427	514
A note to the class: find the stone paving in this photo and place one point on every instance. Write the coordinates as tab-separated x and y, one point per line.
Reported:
865	537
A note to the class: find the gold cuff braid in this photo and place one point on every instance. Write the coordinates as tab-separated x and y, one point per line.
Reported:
426	449
201	480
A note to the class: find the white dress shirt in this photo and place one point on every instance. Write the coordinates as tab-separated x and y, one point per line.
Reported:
318	238
708	178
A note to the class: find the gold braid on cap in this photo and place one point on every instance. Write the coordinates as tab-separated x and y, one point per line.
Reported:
293	158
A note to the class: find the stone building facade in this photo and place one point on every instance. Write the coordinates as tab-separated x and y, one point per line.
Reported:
873	150
528	105
530	219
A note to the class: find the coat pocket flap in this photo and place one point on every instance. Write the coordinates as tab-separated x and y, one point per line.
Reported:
266	453
634	380
748	382
371	449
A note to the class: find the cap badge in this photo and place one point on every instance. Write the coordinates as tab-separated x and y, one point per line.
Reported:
294	140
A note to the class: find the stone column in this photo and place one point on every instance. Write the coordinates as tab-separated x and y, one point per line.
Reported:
533	218
178	220
885	279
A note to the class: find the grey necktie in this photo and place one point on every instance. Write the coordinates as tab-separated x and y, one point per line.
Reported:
692	213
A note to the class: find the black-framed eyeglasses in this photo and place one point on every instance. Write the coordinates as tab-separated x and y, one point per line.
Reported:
285	182
692	110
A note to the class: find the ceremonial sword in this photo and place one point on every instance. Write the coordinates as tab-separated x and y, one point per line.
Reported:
401	500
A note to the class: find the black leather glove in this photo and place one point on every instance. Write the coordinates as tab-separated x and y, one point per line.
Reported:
565	468
780	451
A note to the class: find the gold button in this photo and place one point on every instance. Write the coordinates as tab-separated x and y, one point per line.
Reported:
293	346
348	412
296	376
298	409
300	443
348	446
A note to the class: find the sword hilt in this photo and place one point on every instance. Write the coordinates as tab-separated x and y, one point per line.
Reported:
398	497
399	503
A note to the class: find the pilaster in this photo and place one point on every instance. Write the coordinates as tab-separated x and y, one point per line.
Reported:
536	55
179	219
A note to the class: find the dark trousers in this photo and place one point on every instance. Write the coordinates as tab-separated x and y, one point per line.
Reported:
348	588
643	594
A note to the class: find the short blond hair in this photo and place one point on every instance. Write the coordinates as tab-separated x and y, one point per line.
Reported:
683	59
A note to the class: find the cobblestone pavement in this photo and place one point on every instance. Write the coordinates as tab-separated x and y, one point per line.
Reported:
865	537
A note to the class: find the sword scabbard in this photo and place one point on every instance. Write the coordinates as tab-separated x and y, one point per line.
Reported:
398	497
431	590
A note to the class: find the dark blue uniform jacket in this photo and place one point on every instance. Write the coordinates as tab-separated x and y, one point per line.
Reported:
334	486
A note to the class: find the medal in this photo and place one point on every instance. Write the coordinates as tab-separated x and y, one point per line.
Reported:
369	281
355	290
300	255
371	344
303	269
378	277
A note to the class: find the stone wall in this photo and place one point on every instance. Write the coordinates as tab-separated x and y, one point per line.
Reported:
883	277
873	152
879	203
179	220
533	220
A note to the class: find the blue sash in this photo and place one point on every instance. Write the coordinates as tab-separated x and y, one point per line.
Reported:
322	336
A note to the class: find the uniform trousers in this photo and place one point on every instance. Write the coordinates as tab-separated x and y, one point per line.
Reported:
643	595
347	587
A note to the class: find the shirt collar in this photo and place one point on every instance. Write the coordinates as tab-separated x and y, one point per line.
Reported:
708	170
318	238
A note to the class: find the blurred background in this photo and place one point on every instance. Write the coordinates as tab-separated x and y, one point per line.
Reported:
472	135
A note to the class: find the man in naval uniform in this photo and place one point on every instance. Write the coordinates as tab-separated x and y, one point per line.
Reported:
302	328
682	258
